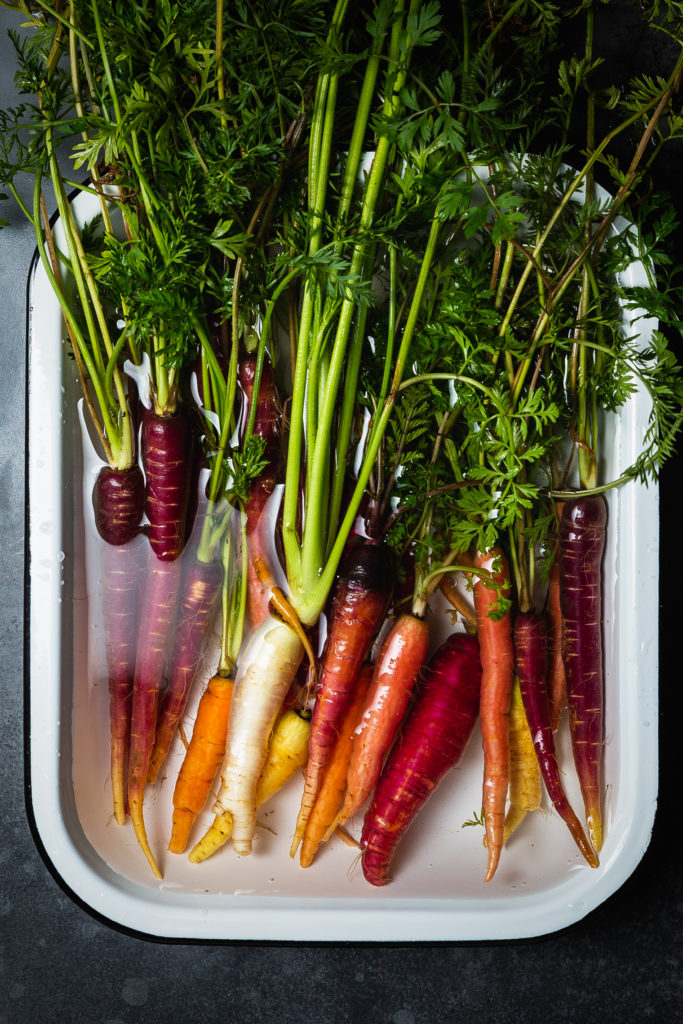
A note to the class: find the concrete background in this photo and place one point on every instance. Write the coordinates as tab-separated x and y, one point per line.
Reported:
59	963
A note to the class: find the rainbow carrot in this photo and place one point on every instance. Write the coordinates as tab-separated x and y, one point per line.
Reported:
582	542
497	659
394	676
203	759
359	604
330	794
431	742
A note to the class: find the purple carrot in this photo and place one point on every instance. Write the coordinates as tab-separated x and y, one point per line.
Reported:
431	742
121	579
581	546
166	455
268	416
118	498
156	623
200	587
531	657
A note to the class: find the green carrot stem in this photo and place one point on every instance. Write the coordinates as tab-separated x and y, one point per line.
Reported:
309	599
105	60
106	428
674	81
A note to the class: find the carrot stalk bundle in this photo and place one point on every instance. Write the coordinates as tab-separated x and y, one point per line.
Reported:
331	791
202	761
582	541
359	604
267	668
287	753
497	659
531	656
200	586
431	742
394	677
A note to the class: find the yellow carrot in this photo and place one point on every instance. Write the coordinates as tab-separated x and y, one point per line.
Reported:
525	790
287	753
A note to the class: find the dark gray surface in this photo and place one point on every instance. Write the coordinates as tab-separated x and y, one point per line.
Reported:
58	963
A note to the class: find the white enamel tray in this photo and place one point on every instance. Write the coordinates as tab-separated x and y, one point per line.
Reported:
541	885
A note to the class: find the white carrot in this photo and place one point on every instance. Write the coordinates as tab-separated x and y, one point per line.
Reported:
272	656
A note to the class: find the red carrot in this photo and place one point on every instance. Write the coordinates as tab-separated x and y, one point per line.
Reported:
396	671
166	448
531	659
497	659
359	604
158	613
118	500
431	742
200	588
581	542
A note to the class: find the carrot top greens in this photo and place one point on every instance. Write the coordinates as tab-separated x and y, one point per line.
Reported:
423	214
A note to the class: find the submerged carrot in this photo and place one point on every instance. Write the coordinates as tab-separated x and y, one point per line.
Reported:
287	753
200	586
394	676
158	613
431	742
497	659
121	578
582	542
267	668
118	497
359	604
557	682
530	651
525	789
331	791
203	759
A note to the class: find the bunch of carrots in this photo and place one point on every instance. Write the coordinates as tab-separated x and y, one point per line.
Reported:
347	343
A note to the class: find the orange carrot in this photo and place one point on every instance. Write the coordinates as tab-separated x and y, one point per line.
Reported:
396	671
359	604
331	790
450	591
203	759
498	661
